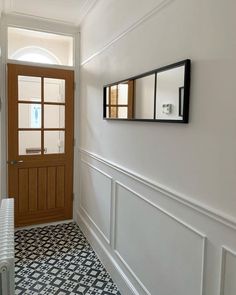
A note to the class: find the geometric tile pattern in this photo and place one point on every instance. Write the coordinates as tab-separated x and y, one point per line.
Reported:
57	259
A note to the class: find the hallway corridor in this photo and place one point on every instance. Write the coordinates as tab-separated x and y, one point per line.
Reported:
57	259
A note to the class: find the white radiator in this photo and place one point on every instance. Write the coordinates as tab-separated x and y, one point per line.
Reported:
7	285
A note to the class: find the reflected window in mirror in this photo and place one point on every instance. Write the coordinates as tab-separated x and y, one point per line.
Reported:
119	100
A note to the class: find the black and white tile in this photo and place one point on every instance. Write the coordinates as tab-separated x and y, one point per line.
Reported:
57	259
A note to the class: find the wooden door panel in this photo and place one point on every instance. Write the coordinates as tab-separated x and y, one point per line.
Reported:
42	188
23	191
41	181
33	189
60	200
51	187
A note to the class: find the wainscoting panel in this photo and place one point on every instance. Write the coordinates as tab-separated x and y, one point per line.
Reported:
228	274
160	248
151	239
96	188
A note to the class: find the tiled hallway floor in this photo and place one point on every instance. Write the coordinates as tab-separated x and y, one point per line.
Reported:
58	260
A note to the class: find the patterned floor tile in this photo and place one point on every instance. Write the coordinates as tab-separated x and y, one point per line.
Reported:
58	260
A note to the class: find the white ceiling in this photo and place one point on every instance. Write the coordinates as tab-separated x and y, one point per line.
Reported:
67	11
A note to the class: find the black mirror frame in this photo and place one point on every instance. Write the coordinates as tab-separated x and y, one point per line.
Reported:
187	77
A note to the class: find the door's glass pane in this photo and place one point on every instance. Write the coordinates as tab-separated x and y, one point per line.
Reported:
54	116
29	142
54	90
29	88
54	142
29	115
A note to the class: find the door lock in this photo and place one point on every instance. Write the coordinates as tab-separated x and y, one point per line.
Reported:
14	162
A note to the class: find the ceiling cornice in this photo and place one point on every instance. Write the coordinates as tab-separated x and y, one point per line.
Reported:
39	18
85	10
8	9
34	23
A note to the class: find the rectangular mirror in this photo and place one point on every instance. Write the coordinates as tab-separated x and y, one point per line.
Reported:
161	95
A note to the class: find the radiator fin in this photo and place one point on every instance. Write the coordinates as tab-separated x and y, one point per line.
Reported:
7	285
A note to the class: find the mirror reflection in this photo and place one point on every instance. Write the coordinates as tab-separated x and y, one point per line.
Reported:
144	97
119	100
160	95
168	86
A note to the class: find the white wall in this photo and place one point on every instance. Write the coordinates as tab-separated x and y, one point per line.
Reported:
206	146
173	186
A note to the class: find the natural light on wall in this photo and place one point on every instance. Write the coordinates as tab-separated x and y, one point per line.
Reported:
40	47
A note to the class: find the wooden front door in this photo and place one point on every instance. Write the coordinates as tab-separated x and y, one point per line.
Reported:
40	143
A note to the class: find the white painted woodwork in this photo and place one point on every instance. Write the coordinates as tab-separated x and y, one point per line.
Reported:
156	246
96	204
228	282
156	235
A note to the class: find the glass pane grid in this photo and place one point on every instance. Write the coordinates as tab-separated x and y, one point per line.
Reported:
41	116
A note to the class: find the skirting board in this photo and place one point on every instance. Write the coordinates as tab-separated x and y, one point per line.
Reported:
117	274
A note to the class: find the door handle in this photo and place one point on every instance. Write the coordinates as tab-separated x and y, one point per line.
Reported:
14	162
